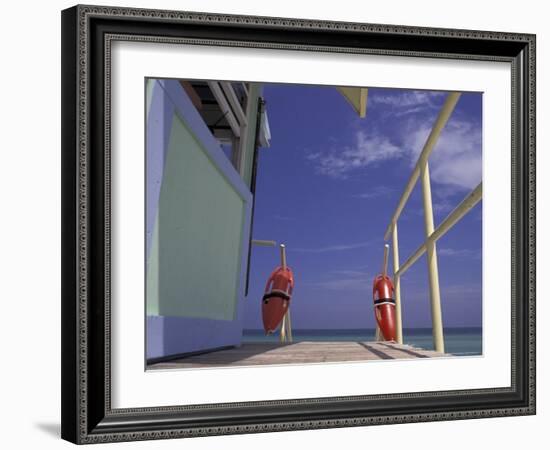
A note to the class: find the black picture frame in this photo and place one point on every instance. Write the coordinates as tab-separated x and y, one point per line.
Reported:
87	416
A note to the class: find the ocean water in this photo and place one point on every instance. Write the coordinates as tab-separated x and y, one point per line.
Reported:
458	341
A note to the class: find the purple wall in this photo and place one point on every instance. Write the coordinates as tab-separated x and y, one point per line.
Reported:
165	335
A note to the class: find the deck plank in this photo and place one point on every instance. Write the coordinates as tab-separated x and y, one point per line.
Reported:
274	353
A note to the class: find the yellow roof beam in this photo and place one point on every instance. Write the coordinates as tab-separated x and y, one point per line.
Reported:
357	98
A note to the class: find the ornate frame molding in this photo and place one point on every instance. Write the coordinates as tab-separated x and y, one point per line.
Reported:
86	214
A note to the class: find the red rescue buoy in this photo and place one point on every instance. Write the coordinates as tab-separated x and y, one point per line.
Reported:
276	299
384	307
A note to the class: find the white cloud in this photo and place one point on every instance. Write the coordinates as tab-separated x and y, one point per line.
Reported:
456	158
462	252
348	284
366	150
441	207
454	292
406	98
405	102
376	191
349	280
459	291
330	248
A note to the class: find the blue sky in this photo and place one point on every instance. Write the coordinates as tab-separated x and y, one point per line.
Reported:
328	186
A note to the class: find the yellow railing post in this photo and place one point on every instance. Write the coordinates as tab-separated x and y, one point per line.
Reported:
397	284
289	326
286	327
282	333
431	253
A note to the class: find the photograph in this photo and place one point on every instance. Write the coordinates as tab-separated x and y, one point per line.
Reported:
278	223
310	224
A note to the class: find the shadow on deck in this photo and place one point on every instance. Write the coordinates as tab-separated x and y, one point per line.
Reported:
274	353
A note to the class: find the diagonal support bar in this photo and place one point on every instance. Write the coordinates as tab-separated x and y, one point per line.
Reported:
460	211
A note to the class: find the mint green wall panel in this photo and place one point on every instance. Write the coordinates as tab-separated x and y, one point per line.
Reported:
149	85
197	241
152	284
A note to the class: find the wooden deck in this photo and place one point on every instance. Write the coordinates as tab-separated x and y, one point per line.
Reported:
263	353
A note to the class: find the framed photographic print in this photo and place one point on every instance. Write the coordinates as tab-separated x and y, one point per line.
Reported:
280	224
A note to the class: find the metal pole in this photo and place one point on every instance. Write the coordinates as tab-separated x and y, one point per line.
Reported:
385	263
397	284
283	337
283	256
289	325
264	243
431	252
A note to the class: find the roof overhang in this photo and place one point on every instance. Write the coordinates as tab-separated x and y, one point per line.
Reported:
356	97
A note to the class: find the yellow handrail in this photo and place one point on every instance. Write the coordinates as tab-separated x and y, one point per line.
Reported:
440	123
422	171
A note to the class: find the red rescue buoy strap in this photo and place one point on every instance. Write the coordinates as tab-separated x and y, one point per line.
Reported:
384	300
276	293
